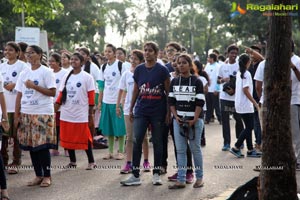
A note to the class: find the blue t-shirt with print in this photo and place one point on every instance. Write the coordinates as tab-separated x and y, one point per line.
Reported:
152	100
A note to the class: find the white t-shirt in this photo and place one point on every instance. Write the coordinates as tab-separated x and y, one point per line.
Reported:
95	73
58	80
204	82
242	104
76	106
1	90
10	74
111	77
32	101
295	98
212	70
259	76
224	72
127	65
126	84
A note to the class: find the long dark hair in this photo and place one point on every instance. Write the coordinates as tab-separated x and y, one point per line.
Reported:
87	65
200	70
64	91
243	60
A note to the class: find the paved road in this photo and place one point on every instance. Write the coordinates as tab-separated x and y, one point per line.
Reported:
103	183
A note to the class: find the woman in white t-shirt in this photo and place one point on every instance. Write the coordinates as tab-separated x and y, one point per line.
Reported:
34	115
110	124
55	64
126	89
10	71
76	101
244	103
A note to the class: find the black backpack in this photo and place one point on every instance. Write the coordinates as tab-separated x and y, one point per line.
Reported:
248	191
119	67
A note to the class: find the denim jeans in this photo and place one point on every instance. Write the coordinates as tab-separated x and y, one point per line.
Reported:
227	107
181	147
257	128
247	132
140	125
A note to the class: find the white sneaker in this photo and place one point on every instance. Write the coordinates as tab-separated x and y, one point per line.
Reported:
131	180
156	179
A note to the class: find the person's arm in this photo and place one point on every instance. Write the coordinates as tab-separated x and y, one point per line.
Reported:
4	121
45	91
167	90
254	54
120	96
249	96
100	97
133	100
17	110
258	88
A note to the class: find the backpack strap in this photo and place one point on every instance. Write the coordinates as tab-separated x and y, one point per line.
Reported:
120	67
120	64
104	66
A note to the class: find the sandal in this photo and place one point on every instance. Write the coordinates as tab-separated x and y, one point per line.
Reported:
46	182
177	185
199	183
12	169
91	166
108	156
4	197
35	181
71	166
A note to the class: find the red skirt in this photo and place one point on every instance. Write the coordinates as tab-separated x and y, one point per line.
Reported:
74	135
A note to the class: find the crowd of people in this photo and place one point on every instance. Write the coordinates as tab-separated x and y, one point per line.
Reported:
70	98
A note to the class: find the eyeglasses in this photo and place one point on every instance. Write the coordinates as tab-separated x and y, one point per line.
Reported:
29	53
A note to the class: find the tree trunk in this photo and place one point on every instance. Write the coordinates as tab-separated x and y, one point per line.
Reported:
278	151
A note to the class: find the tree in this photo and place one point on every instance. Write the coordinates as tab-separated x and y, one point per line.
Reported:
277	140
37	11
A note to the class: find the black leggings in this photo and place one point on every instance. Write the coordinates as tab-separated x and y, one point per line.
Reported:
89	154
41	162
2	175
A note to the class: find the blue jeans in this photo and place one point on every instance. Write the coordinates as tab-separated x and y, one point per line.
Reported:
140	125
181	146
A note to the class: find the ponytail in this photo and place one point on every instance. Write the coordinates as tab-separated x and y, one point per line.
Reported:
243	60
64	91
87	66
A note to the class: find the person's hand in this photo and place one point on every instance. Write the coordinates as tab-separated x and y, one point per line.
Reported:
192	122
216	93
131	116
249	50
99	106
9	86
29	84
257	107
5	125
118	111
